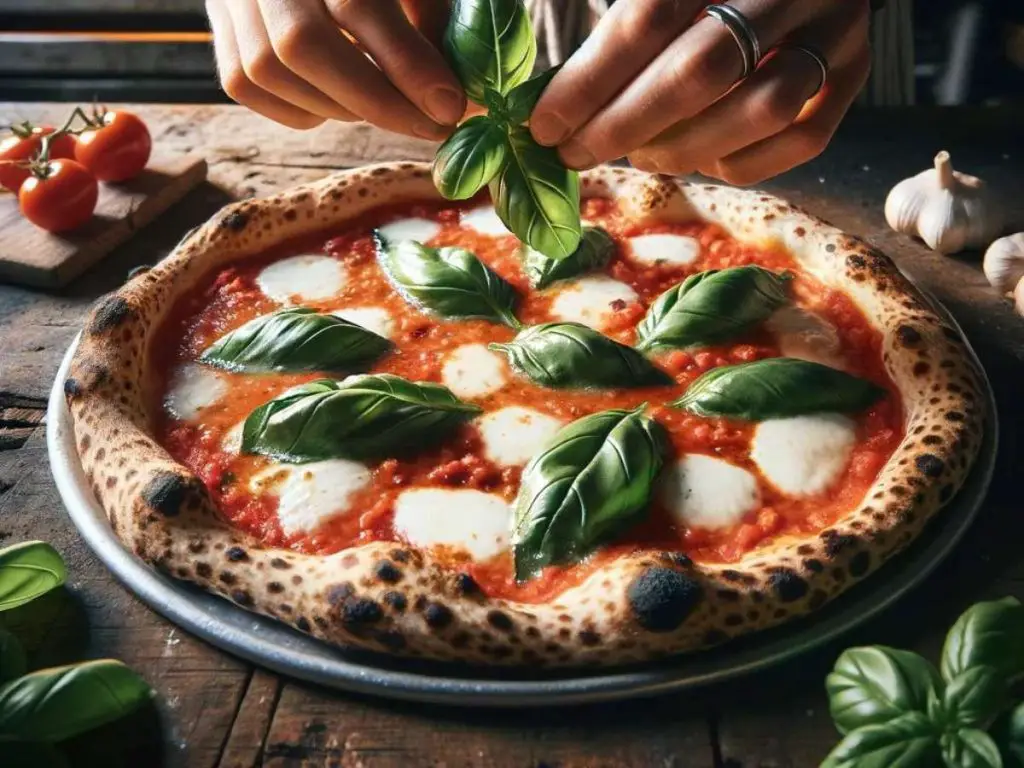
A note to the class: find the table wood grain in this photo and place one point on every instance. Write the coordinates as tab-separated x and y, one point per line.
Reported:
215	711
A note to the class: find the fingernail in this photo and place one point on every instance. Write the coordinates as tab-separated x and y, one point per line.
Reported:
548	129
444	105
576	155
431	131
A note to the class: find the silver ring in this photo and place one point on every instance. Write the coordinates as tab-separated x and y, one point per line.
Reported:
815	54
742	32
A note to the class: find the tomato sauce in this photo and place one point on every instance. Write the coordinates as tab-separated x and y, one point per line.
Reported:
421	344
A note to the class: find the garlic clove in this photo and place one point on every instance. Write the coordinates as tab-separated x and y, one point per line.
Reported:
1004	262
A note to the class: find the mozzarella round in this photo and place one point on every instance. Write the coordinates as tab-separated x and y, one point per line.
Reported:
514	435
674	250
420	230
472	521
472	370
805	335
484	220
707	492
231	441
312	278
193	388
311	494
803	455
589	300
375	319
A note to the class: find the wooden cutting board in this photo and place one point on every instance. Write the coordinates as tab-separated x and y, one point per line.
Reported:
34	257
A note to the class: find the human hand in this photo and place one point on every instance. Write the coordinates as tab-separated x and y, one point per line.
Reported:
655	85
300	62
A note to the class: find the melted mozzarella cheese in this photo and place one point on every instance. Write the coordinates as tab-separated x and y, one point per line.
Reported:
312	278
420	230
231	442
484	220
375	319
589	300
514	435
708	492
311	494
803	455
676	250
472	370
805	335
473	521
194	388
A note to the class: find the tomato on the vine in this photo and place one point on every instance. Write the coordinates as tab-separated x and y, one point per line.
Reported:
59	196
117	149
22	145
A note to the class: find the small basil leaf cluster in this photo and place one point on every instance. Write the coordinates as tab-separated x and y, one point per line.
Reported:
894	708
491	47
41	708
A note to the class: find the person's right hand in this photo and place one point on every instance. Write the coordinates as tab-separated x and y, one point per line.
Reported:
295	62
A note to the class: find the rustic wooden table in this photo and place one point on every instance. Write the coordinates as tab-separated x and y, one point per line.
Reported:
215	710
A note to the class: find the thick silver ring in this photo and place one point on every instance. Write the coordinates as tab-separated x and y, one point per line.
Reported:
742	32
815	54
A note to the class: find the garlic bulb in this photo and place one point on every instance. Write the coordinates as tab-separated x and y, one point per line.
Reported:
949	210
1004	262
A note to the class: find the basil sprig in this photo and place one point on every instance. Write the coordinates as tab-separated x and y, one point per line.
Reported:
27	571
593	480
362	417
594	251
296	339
470	158
490	44
776	388
712	307
452	282
573	355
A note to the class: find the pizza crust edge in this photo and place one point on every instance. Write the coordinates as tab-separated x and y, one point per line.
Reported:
393	598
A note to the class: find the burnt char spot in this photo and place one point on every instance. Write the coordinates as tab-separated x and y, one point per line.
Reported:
467	585
166	492
291	214
437	616
71	387
837	542
460	640
859	563
236	554
396	600
930	465
500	621
303	623
662	598
677	558
110	312
227	577
908	336
399	555
236	221
787	584
733	620
275	587
203	570
931	440
358	613
387	572
339	593
589	637
814	566
954	416
280	564
242	597
729	595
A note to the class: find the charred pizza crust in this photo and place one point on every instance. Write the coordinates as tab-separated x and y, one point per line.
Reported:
393	598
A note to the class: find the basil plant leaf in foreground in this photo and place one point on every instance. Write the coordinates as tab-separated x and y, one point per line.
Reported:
470	158
362	417
592	481
970	748
907	741
13	662
521	100
28	570
489	43
452	282
776	388
711	307
562	355
59	703
594	251
973	698
537	197
1009	734
296	339
873	685
990	633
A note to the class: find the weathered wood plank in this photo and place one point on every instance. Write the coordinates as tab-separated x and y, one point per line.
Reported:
246	740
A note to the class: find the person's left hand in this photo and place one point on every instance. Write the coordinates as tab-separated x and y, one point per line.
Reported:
652	84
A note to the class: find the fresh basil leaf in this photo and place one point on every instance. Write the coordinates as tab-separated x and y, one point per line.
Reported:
989	633
970	748
296	339
56	704
573	355
537	197
1008	732
28	570
490	44
452	282
12	657
362	417
30	754
594	251
776	388
712	307
974	697
875	684
523	98
907	741
496	106
470	158
592	481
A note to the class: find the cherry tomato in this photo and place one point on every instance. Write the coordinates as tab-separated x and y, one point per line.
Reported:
63	199
118	150
22	145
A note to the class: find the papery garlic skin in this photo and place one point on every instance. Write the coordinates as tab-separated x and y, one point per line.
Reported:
1004	262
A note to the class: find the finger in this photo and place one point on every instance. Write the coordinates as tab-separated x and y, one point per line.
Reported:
408	59
262	67
430	17
236	83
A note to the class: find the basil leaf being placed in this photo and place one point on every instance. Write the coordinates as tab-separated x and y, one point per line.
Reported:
362	417
873	685
537	197
908	741
711	307
452	282
470	158
973	698
12	657
970	748
776	388
56	704
490	43
592	481
296	339
524	97
574	355
594	251
989	633
28	570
